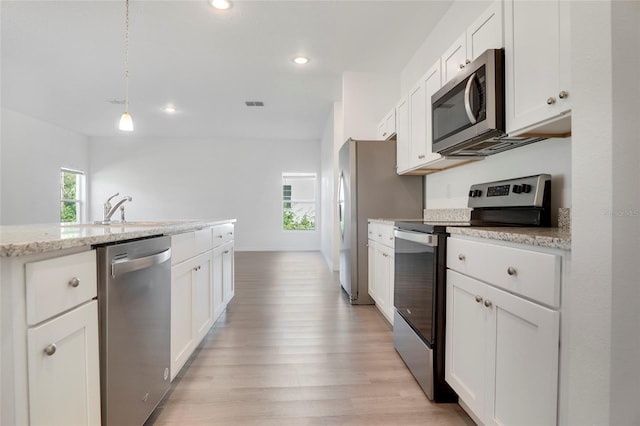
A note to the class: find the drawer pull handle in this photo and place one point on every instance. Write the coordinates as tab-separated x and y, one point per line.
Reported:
74	282
512	271
461	257
51	349
479	299
488	303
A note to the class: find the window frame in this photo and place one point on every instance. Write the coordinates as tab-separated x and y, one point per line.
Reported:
290	199
80	200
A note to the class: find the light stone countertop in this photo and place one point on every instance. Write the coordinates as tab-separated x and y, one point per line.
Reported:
21	240
393	221
559	238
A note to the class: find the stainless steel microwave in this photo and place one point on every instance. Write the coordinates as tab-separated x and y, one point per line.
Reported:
468	112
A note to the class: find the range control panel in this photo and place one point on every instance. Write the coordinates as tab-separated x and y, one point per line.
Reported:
526	191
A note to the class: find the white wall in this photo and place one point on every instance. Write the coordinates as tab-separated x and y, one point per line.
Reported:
603	314
32	153
330	145
206	179
366	98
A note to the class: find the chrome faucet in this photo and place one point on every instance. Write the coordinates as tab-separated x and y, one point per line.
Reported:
110	210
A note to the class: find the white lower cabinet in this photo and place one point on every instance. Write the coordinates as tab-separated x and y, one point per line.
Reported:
64	385
201	287
381	267
502	350
228	279
50	371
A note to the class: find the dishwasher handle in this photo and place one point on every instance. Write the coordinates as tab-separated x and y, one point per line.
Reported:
430	240
126	265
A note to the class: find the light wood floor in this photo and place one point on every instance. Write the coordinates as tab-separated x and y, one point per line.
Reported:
291	350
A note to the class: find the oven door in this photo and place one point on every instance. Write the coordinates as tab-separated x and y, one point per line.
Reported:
415	281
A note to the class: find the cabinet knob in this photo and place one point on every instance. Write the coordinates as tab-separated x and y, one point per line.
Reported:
479	299
379	235
220	236
50	349
462	257
563	94
226	251
421	156
488	303
384	134
512	271
74	282
230	233
461	66
551	101
466	61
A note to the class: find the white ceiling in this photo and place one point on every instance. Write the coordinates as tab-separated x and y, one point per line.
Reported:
62	61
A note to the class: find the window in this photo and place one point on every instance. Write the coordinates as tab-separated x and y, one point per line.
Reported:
299	201
71	195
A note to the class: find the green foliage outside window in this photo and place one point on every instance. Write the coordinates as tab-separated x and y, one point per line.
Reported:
293	222
69	197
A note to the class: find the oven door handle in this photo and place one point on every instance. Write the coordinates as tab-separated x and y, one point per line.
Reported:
430	240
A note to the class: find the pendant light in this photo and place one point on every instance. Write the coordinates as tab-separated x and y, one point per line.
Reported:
126	122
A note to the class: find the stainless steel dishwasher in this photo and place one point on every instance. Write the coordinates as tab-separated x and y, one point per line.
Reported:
134	289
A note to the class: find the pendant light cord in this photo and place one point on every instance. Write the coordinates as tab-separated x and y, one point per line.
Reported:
126	57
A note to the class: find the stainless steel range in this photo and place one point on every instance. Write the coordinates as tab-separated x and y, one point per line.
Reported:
420	270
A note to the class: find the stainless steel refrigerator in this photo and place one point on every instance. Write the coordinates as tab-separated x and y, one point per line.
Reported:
369	187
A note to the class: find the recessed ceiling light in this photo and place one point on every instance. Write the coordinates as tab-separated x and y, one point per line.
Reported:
300	60
221	4
170	109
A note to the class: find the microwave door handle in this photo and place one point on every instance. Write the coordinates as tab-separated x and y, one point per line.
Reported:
467	99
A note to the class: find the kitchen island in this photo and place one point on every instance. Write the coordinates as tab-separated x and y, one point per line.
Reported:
49	290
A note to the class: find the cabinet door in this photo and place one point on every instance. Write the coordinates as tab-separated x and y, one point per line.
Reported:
454	59
466	343
381	133
63	369
417	126
228	286
402	136
523	366
390	124
218	296
432	83
182	336
532	62
371	268
384	279
486	32
202	295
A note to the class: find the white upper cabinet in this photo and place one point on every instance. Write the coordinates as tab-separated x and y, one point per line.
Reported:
538	94
454	58
485	33
387	126
421	121
402	136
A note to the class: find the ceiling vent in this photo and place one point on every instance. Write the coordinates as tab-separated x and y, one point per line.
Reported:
254	103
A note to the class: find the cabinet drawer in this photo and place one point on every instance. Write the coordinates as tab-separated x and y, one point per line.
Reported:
221	234
381	233
56	285
189	244
385	235
529	273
